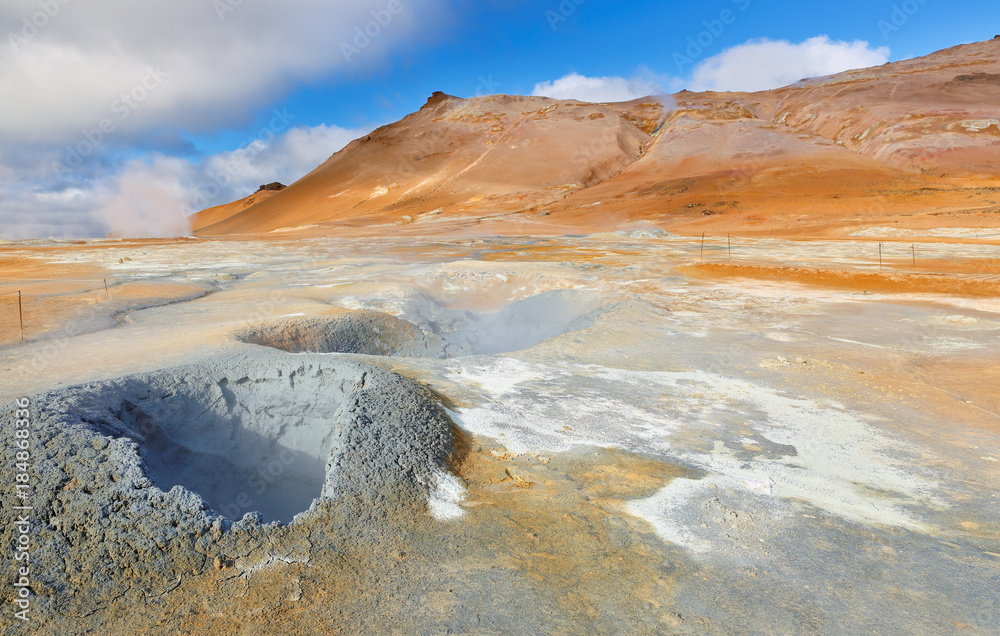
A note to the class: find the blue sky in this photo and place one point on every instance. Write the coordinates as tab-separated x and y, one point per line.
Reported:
510	46
124	116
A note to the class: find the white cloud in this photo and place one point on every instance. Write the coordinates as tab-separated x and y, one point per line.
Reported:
598	89
152	196
93	81
753	66
192	64
766	64
286	159
29	210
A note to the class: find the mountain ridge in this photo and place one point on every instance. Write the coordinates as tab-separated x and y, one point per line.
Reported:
903	142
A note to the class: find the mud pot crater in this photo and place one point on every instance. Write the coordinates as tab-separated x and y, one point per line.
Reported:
517	325
427	327
243	444
270	433
366	332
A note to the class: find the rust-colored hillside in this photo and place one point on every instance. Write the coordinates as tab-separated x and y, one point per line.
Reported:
913	144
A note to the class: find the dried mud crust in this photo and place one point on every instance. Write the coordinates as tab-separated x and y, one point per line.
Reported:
363	331
110	518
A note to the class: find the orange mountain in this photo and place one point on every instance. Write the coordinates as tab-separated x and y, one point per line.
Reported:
913	144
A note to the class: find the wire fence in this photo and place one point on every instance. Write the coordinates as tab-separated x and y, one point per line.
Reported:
74	292
855	253
20	311
872	266
978	262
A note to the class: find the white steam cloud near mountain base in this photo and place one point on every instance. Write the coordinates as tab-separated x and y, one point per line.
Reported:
149	202
153	196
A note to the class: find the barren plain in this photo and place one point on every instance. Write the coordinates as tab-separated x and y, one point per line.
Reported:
647	437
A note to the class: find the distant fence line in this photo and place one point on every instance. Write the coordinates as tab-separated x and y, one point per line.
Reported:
727	242
20	301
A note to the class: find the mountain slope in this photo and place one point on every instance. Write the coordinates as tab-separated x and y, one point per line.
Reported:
914	142
498	152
